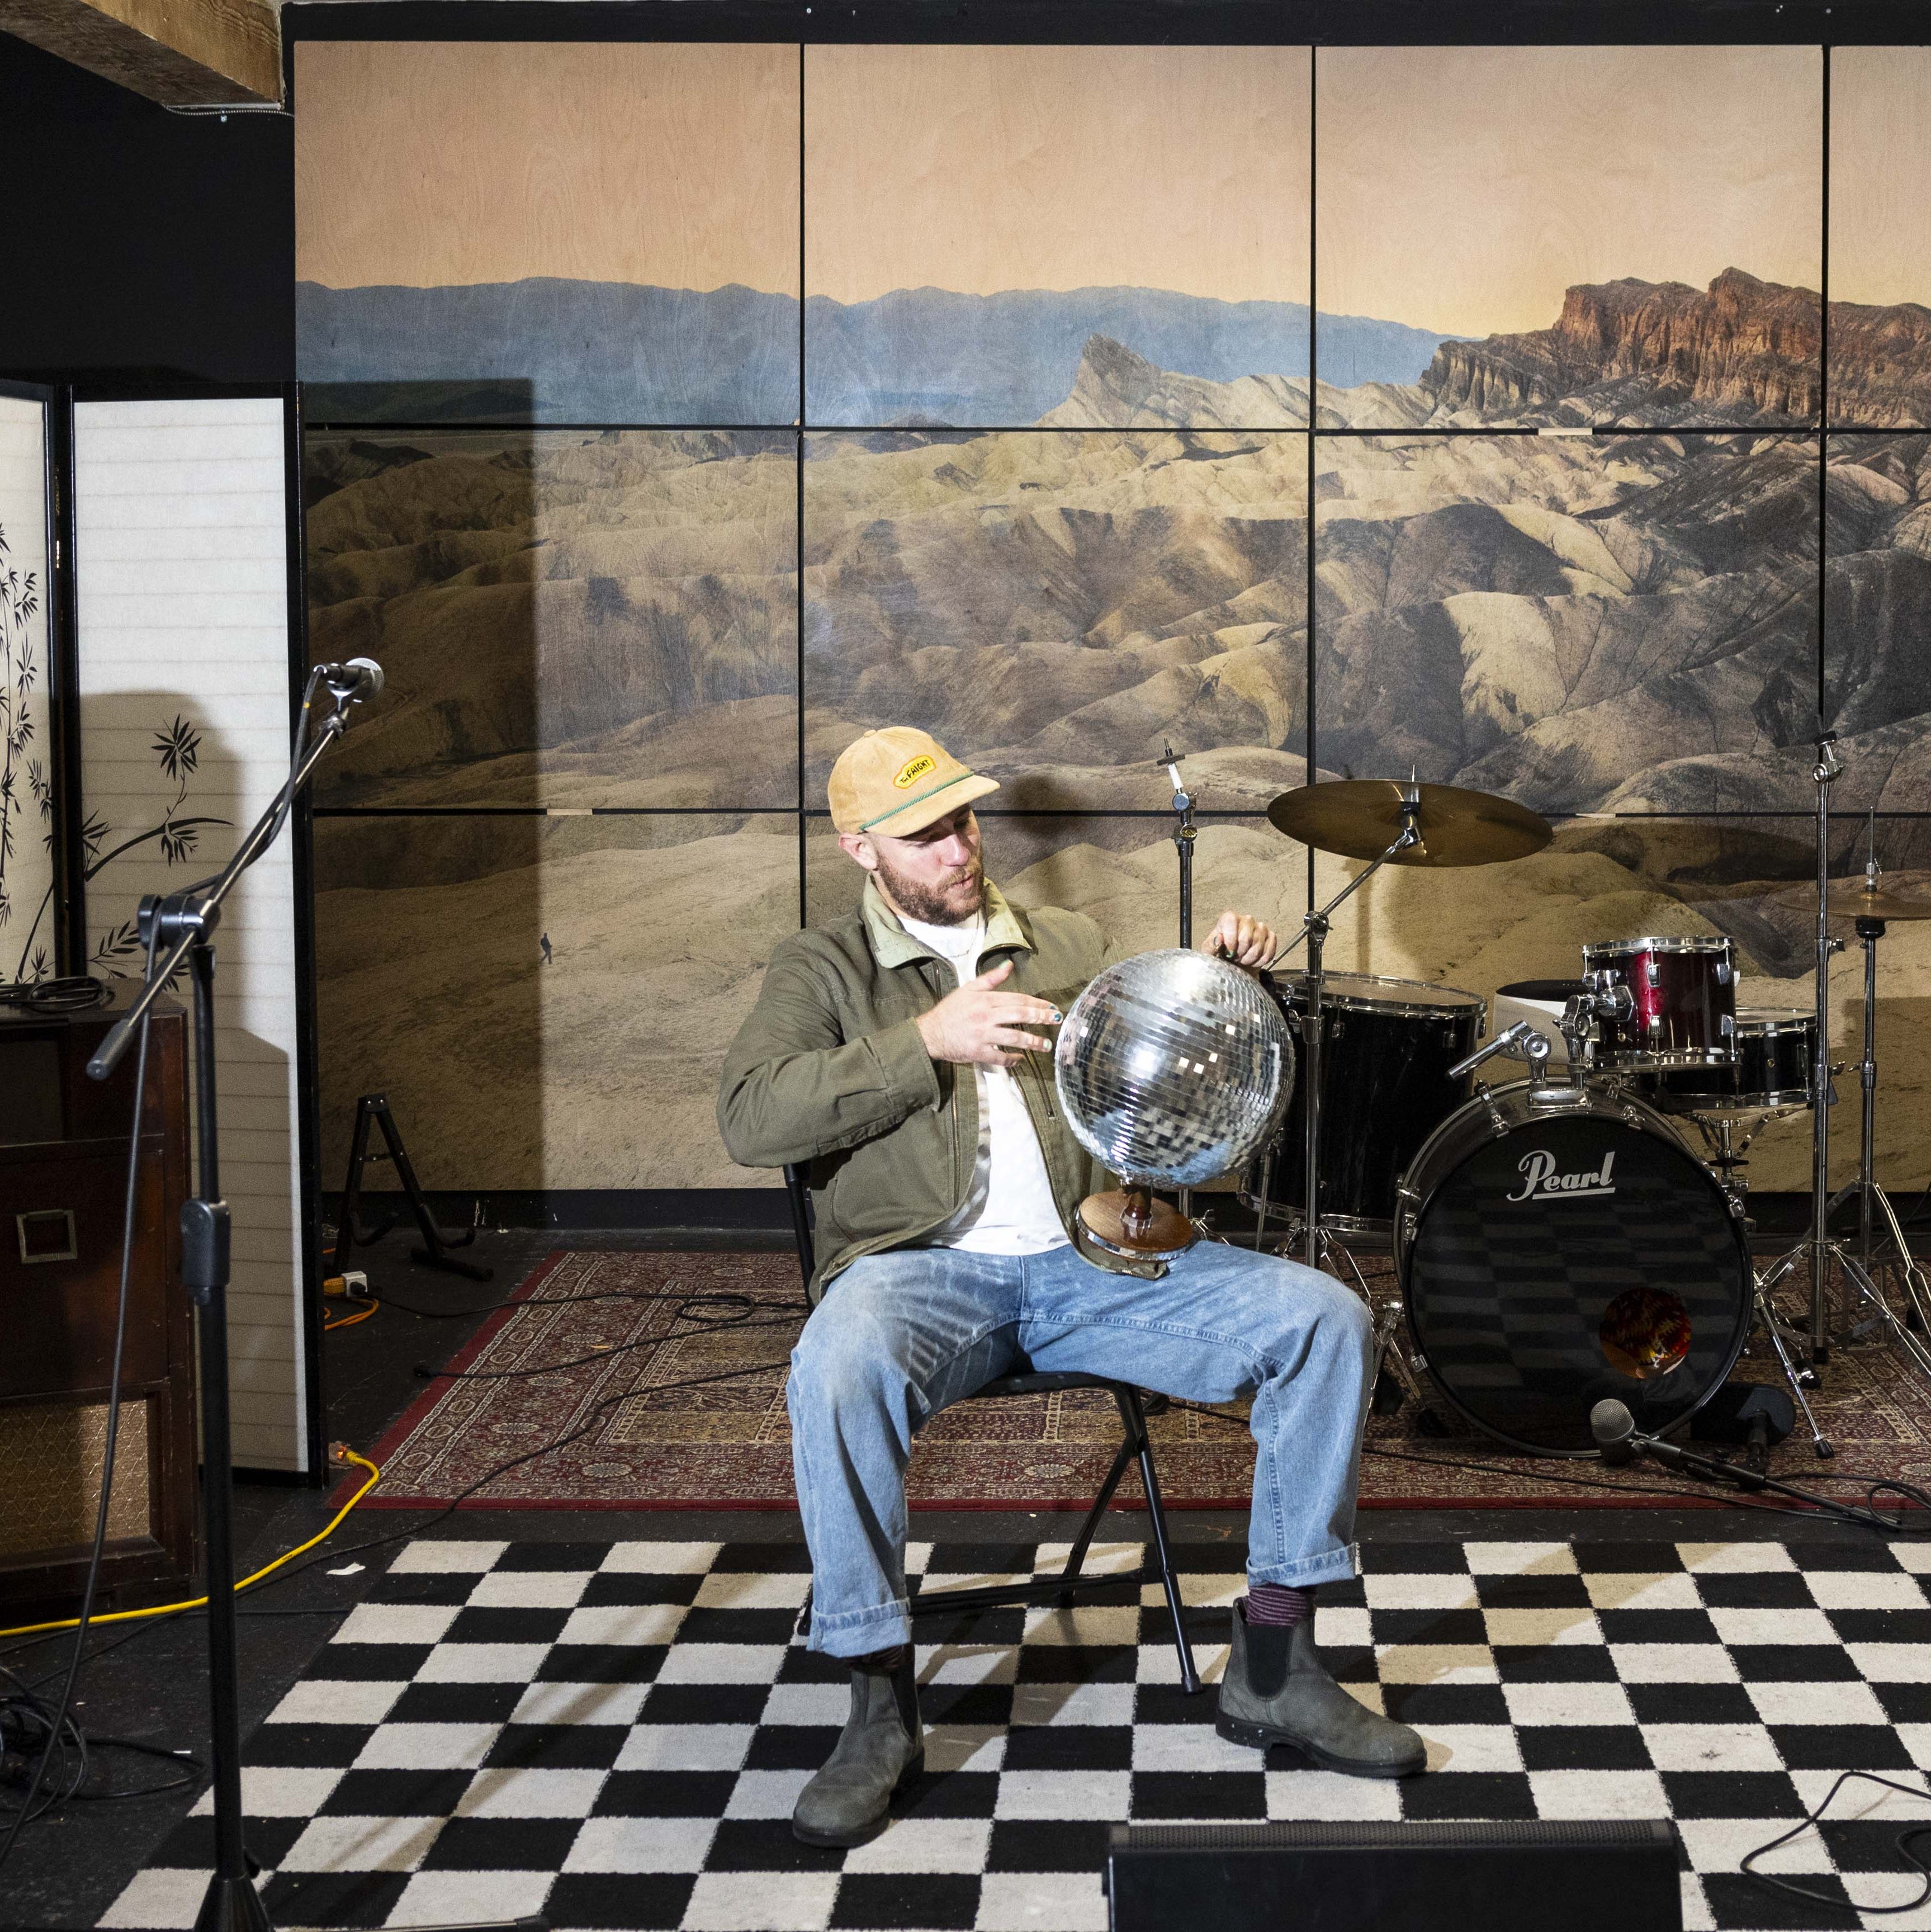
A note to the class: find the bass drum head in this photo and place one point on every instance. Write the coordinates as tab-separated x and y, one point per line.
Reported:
1565	1259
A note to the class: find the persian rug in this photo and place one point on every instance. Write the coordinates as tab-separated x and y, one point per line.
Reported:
627	1381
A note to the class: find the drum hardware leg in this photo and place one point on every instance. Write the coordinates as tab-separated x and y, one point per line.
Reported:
1393	1369
1768	1320
1261	1199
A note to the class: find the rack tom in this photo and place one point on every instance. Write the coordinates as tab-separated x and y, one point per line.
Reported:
1777	1048
1683	1001
1386	1047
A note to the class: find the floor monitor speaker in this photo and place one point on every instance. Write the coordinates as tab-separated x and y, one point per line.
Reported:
1618	1876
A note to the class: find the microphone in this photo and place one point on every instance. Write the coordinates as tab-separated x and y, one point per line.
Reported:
1614	1429
1621	1441
354	682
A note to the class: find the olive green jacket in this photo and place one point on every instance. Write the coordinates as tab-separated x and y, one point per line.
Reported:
830	1068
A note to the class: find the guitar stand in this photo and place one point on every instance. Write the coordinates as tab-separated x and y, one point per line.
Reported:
436	1242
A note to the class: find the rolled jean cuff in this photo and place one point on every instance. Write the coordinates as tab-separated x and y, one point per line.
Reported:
1332	1566
858	1632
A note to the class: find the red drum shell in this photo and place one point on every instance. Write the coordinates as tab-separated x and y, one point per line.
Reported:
1685	995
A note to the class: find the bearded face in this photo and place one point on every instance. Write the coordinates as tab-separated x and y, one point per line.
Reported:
937	893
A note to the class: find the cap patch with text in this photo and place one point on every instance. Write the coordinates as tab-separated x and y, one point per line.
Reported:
898	781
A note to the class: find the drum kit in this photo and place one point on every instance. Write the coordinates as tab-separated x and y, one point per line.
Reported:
1581	1233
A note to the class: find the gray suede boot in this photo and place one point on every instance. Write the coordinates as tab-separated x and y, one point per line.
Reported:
882	1747
1277	1691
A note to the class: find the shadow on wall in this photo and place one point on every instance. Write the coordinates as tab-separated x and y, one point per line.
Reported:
162	809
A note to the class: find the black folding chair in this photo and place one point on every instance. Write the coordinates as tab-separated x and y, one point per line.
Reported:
1134	1445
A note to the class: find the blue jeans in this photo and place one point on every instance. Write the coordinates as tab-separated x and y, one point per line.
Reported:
901	1335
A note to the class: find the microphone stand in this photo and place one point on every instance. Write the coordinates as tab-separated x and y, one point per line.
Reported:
1673	1456
184	923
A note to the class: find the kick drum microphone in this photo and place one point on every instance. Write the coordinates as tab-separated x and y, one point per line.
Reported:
1620	1442
354	682
1618	1437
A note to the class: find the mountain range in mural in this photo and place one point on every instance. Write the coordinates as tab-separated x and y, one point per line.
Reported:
545	350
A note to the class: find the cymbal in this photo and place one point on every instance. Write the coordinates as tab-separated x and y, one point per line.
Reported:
1360	818
1849	899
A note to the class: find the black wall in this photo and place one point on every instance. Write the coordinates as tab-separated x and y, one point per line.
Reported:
137	240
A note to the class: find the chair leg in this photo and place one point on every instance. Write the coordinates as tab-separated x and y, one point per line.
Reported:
1157	1515
1130	1446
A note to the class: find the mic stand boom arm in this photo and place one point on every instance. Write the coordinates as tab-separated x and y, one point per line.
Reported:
187	919
183	922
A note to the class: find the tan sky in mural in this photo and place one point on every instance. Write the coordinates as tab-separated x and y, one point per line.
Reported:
1464	189
425	163
981	168
1881	174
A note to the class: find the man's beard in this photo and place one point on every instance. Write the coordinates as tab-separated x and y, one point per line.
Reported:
949	902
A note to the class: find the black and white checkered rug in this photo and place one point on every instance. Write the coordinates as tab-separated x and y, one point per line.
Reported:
612	1733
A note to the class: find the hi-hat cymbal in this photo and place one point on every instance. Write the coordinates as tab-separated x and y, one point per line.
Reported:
1360	818
1849	899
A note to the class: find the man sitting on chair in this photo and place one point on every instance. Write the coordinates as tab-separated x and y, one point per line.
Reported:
948	1252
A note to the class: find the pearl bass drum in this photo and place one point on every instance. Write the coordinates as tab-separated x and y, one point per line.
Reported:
1556	1245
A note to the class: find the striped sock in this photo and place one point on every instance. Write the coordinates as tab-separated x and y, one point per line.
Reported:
1276	1603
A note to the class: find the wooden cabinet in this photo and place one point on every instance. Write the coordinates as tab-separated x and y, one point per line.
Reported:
63	1179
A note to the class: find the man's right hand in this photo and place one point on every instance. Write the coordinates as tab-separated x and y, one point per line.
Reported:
978	1026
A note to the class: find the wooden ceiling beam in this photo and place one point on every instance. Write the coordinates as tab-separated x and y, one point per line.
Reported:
184	53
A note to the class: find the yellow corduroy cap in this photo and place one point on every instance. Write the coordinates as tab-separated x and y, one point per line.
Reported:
896	782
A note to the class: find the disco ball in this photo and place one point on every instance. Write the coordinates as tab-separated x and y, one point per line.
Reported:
1172	1068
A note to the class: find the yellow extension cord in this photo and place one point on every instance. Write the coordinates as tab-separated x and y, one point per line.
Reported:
341	1455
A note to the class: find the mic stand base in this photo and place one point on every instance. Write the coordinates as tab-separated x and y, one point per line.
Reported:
231	1905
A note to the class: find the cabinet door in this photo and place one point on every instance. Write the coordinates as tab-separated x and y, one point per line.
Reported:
60	1266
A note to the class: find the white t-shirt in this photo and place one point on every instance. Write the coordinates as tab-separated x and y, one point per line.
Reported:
1010	1209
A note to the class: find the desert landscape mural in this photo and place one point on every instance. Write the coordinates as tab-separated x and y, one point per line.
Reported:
1544	503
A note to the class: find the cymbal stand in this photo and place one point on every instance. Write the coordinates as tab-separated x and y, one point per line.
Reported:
1315	930
1872	1200
1184	836
1818	1247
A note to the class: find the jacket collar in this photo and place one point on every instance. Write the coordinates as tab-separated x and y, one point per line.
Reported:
891	945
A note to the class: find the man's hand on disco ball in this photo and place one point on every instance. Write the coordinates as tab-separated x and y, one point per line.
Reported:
1245	941
975	1026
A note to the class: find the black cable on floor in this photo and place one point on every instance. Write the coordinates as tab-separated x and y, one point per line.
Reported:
428	1374
1813	1818
743	1306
